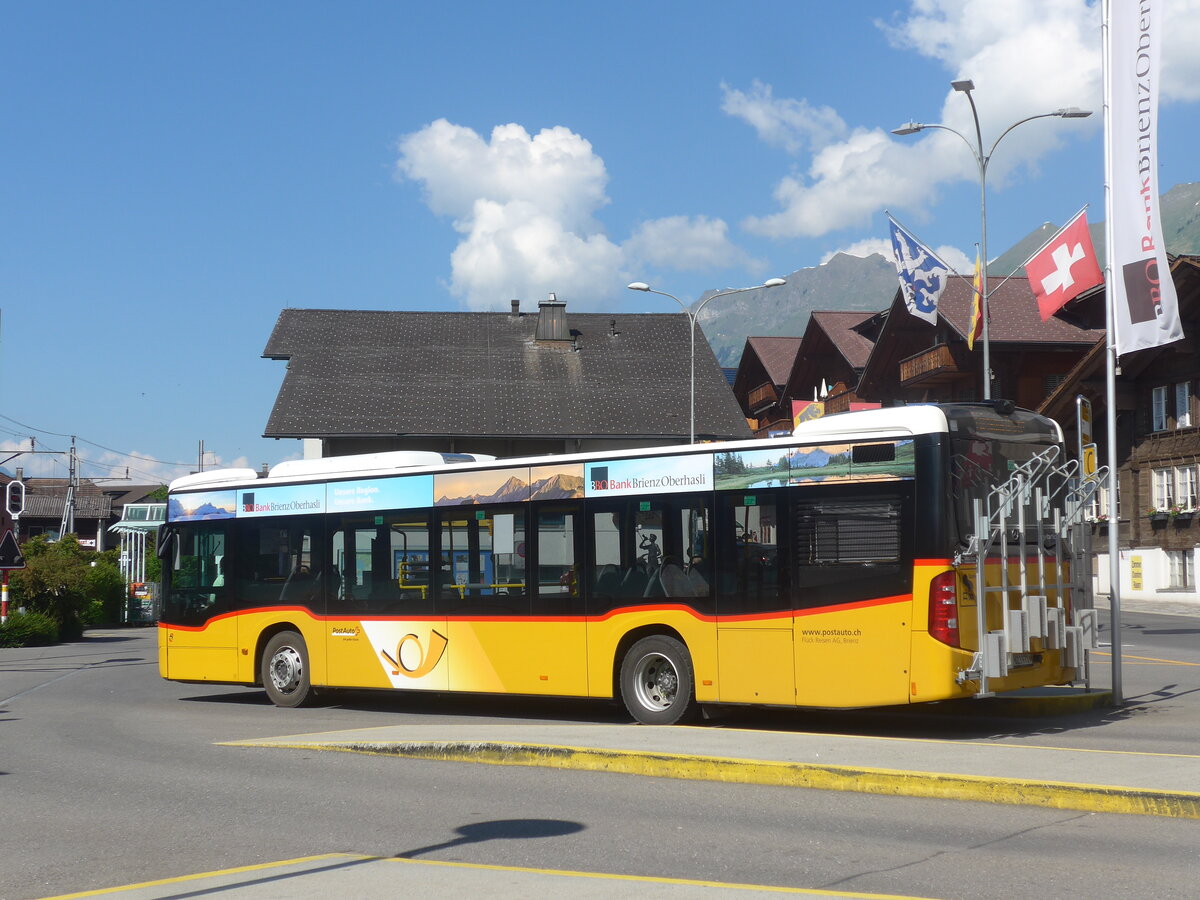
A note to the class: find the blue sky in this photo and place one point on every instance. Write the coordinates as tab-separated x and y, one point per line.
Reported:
176	174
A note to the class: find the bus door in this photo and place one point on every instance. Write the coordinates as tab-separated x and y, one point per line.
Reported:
201	637
278	579
756	659
556	658
853	584
384	628
482	589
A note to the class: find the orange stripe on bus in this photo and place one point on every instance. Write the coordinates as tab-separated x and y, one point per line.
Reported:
860	604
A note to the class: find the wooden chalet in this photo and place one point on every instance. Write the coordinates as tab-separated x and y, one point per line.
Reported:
759	384
1158	449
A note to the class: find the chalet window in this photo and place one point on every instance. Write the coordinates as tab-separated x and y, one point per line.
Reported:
1181	570
1185	486
1099	505
1183	404
1158	409
1164	488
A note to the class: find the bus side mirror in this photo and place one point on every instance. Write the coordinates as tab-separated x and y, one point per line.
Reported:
166	539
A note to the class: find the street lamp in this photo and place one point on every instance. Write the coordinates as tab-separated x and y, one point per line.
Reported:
692	317
981	160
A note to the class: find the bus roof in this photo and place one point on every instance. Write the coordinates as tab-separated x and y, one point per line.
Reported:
890	423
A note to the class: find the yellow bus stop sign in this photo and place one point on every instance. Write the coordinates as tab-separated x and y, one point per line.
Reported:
1089	460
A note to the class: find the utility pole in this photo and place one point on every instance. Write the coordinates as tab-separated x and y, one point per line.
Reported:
67	526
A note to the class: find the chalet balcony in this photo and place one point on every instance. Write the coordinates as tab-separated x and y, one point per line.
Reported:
839	403
761	398
937	365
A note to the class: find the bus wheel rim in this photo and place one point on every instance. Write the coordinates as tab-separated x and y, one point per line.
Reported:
287	670
656	681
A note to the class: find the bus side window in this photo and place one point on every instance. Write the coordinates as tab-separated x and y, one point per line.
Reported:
748	554
279	564
484	560
851	548
557	544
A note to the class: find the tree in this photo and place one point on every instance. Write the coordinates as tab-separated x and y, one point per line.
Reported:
60	578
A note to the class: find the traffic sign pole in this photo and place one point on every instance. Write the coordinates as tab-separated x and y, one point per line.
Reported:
4	600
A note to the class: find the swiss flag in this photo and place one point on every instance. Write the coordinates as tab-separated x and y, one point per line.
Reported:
1064	268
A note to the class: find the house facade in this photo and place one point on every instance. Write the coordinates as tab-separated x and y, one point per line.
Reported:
1158	452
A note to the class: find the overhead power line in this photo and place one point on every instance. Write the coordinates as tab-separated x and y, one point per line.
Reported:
148	459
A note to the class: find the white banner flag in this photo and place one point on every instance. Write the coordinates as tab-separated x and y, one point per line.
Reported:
1145	307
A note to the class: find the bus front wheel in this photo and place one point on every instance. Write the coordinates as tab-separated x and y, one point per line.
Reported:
657	681
285	670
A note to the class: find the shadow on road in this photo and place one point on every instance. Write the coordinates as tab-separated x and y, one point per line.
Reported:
498	830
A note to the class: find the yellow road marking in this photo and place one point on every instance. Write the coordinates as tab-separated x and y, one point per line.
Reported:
561	873
1150	659
650	879
180	879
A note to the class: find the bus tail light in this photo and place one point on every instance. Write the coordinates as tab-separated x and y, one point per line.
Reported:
943	609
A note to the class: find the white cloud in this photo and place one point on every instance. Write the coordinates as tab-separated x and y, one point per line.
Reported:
956	259
862	249
555	170
1023	55
952	256
1181	64
794	125
678	242
525	207
517	249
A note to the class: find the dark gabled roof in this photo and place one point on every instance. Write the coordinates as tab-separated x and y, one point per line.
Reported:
50	506
839	327
1014	316
374	373
831	348
777	354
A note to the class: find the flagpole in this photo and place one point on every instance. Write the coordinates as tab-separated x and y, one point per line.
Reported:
1110	376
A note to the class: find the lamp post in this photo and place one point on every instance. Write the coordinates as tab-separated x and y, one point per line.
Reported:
692	317
981	161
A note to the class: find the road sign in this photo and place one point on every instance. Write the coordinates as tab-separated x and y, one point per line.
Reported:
1084	410
10	553
1089	460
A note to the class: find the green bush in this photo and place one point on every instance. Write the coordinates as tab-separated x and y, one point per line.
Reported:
28	629
94	613
62	580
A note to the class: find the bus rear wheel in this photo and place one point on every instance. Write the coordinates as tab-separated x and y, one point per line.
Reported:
658	684
285	670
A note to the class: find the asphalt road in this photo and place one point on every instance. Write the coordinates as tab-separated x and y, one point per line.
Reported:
110	776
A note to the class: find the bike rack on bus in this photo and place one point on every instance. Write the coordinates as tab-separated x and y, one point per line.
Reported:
1057	497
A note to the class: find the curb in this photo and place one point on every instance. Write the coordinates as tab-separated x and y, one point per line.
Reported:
888	782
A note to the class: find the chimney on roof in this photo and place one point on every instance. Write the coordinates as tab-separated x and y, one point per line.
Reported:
552	320
516	308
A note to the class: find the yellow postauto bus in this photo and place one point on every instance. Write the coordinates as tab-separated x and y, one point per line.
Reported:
873	558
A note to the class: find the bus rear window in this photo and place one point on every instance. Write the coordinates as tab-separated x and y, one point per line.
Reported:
977	467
